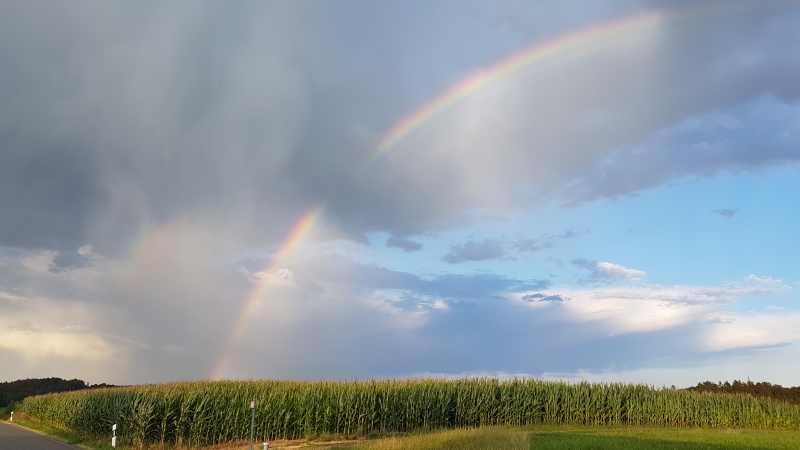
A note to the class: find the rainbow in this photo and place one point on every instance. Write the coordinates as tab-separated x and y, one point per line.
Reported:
562	48
566	47
538	53
298	233
144	252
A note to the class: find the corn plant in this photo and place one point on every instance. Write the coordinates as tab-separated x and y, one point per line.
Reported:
213	412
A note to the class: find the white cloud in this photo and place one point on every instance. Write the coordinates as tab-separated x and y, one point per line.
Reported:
281	276
768	281
761	365
753	330
608	272
644	309
617	272
632	310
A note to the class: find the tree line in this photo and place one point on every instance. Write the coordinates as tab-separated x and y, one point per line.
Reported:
760	389
15	391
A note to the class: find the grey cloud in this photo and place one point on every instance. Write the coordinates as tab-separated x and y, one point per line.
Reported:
584	263
533	245
403	243
354	329
47	193
543	298
475	251
756	134
598	155
64	261
325	269
253	265
479	285
368	311
346	339
720	319
177	309
73	329
725	213
25	327
543	243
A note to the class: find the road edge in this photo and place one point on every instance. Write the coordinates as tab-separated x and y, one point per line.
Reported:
52	437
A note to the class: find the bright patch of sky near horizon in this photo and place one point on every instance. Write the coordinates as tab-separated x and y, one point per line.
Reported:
625	213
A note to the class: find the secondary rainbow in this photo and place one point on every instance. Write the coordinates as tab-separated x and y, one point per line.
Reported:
295	237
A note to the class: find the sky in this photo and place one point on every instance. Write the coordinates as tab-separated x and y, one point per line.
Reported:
575	189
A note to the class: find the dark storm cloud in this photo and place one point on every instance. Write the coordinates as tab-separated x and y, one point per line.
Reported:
250	114
475	251
64	261
726	213
47	194
403	243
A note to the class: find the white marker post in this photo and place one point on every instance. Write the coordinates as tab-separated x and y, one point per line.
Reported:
266	445
114	435
12	416
252	421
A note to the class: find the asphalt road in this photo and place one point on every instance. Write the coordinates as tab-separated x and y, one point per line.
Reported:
15	438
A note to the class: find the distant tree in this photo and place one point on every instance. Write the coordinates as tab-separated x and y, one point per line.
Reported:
15	391
761	389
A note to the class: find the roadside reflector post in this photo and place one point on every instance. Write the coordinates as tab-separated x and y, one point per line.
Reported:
114	435
266	445
12	416
252	421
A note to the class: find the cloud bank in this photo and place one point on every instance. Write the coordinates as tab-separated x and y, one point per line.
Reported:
154	157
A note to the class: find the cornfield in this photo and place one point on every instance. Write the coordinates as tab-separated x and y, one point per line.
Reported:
213	412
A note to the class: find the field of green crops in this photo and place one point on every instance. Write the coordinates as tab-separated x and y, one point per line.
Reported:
207	413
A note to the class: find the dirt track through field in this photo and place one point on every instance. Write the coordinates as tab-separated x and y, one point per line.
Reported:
15	438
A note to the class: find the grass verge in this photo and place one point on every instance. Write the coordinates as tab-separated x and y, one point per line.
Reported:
514	438
600	438
635	438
